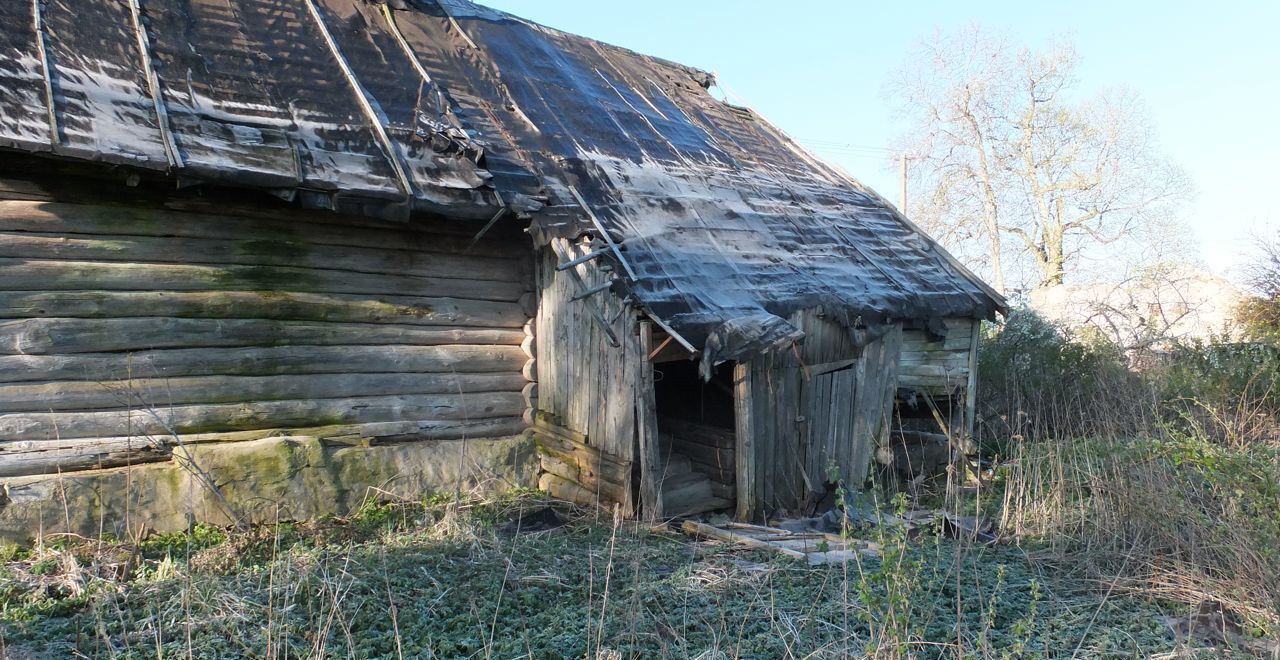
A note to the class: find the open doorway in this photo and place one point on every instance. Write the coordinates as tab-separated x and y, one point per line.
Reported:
696	437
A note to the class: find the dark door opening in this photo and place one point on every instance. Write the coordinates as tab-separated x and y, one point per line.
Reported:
696	427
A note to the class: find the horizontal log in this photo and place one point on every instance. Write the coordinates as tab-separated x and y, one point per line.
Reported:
57	336
724	491
273	305
25	457
96	220
257	252
932	371
266	414
614	492
707	460
556	465
279	360
98	395
568	491
589	465
38	275
919	341
702	434
951	360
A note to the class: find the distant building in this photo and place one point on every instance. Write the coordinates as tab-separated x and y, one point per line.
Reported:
1146	311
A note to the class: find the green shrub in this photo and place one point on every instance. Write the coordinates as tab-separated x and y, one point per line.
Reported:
1036	381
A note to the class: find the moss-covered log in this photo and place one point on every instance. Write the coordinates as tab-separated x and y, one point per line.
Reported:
53	336
24	457
163	392
274	305
263	414
47	275
280	360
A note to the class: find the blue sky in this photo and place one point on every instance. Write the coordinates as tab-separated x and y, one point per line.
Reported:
1210	73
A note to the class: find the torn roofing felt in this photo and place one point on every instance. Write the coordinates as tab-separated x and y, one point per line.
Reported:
725	225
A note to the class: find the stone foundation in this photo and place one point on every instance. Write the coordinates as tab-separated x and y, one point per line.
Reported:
261	480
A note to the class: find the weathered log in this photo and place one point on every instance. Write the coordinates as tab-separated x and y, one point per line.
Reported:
36	275
313	228
274	305
723	490
593	483
557	465
272	361
563	489
55	336
693	432
589	463
256	252
245	416
27	457
98	395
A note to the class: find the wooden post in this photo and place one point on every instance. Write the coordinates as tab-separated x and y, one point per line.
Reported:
647	431
744	450
971	389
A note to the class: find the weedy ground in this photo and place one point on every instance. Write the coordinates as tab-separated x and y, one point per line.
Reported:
460	578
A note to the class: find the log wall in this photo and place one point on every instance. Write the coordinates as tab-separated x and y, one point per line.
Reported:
124	329
938	367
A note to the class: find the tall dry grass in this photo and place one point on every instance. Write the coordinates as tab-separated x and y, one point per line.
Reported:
1163	481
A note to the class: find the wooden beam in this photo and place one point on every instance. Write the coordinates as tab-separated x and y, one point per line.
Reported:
647	433
592	291
46	68
661	346
580	260
744	450
617	252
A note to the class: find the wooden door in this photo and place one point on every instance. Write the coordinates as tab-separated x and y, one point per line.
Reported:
846	408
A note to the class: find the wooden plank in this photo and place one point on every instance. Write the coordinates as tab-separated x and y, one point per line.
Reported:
48	275
273	305
279	360
98	395
27	457
246	416
707	531
48	336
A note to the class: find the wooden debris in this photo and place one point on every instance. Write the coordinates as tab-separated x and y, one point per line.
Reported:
816	548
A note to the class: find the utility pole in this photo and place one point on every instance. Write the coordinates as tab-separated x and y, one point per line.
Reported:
902	175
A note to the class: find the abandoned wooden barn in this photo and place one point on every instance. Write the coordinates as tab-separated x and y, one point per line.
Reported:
263	258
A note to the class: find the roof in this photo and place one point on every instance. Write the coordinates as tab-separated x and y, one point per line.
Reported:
723	226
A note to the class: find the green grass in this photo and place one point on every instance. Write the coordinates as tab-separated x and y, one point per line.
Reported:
447	580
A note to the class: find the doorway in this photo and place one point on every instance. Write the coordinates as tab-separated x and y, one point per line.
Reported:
696	437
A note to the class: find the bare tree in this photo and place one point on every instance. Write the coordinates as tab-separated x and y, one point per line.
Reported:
1014	171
